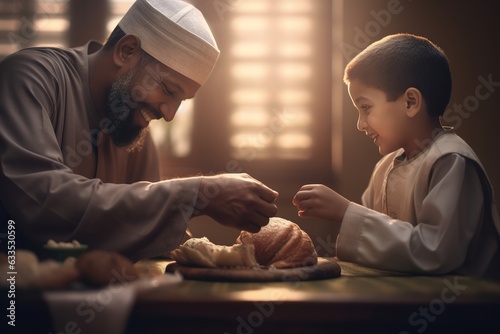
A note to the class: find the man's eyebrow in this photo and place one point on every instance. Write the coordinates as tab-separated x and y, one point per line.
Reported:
177	87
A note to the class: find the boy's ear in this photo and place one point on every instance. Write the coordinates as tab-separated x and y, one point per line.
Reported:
125	51
414	101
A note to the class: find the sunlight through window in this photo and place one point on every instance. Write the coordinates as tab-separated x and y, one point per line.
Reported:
29	23
271	74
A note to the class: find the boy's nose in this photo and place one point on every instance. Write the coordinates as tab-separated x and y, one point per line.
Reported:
361	125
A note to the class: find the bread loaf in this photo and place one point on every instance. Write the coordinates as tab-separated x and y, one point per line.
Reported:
281	244
101	268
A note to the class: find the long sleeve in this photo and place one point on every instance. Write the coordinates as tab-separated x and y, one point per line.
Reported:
447	222
42	192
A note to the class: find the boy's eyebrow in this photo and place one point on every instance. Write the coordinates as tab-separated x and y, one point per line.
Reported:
360	99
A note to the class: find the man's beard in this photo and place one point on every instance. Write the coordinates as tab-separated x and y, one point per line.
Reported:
120	110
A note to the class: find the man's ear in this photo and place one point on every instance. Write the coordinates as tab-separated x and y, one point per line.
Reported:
126	51
414	101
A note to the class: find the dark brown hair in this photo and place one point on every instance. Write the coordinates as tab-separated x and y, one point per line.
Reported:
398	62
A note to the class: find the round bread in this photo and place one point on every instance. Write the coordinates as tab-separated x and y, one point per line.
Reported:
102	268
281	244
54	274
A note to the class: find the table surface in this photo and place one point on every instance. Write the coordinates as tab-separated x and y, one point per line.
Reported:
361	300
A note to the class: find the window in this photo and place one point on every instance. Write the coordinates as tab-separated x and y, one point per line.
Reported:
267	107
28	23
32	23
271	74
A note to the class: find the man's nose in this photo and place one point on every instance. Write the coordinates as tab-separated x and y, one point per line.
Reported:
169	110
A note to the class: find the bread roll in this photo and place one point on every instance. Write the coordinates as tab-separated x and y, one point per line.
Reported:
102	268
281	244
54	274
35	274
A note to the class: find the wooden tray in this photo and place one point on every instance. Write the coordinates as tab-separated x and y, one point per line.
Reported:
324	269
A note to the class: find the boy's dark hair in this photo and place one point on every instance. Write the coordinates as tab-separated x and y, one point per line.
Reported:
398	62
115	36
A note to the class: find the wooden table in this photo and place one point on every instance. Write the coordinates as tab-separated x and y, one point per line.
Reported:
360	301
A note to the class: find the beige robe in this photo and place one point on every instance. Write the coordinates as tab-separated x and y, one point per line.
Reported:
61	178
434	214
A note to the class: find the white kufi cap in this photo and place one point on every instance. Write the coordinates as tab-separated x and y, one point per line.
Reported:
176	34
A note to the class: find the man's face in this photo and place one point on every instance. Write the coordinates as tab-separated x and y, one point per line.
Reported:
144	93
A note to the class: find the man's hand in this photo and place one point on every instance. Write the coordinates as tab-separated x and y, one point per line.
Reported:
237	200
317	200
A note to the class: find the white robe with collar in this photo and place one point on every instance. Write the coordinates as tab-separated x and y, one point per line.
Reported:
433	214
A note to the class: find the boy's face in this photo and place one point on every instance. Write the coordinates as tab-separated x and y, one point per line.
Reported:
384	122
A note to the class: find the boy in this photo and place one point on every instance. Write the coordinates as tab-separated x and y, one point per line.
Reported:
429	207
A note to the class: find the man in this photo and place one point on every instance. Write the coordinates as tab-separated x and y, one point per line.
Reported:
76	161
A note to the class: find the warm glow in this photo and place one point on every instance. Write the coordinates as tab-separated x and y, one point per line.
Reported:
254	139
294	26
249	25
250	117
291	96
119	7
250	96
294	140
49	45
51	24
253	6
275	294
250	71
294	71
294	49
296	117
254	49
297	6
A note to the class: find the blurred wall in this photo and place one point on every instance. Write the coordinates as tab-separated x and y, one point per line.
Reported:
88	21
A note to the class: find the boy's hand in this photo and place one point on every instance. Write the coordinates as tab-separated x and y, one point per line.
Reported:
317	200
